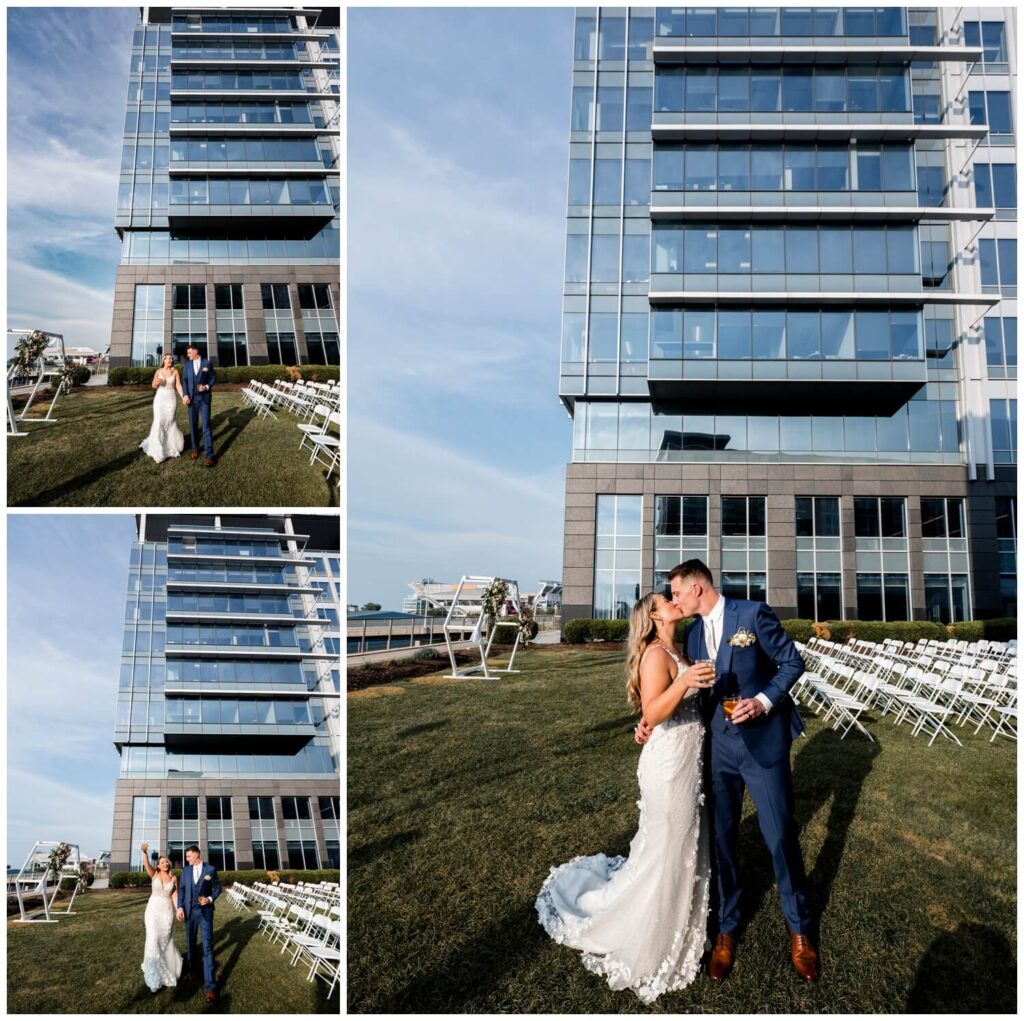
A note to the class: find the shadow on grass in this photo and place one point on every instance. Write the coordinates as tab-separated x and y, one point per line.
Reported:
359	857
423	728
826	767
971	971
470	972
623	723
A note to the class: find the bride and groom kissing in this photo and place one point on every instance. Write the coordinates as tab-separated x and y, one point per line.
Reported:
194	385
642	921
190	902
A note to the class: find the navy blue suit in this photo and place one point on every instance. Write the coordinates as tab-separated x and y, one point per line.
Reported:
754	754
199	403
199	916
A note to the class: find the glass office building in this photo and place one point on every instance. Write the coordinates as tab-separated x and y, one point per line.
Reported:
788	339
227	205
227	721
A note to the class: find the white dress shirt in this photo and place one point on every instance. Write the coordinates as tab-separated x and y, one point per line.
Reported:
713	638
196	870
195	367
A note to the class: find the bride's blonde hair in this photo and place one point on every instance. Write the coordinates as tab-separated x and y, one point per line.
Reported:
642	631
164	359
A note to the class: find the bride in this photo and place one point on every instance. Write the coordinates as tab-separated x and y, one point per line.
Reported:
165	438
641	921
161	962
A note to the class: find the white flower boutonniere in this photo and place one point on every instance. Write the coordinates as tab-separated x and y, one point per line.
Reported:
743	639
205	878
205	368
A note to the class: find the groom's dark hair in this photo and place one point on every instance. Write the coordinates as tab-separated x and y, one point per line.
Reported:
192	847
692	569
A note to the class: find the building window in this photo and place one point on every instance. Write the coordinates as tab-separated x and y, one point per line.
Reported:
261	808
993	109
319	324
998	262
280	325
330	807
148	325
220	854
265	854
182	827
819	577
882	560
333	849
218	808
295	808
232	347
302	854
188	319
617	556
680	533
995	185
991	37
1001	346
744	556
1006	532
145	829
1003	413
944	551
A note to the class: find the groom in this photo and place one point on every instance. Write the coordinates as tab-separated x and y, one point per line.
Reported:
197	380
198	888
757	662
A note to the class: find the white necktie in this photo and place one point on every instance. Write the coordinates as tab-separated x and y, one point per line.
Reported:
712	644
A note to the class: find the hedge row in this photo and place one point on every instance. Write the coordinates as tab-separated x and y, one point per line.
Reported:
127	375
121	880
576	632
79	377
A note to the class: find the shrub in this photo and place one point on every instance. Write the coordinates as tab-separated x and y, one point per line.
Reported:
575	632
128	375
839	630
798	630
79	377
1000	629
968	630
68	883
610	630
122	880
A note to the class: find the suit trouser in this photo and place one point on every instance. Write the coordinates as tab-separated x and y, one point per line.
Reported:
199	411
203	921
771	788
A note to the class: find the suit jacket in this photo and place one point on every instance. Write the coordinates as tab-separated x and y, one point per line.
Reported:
189	382
189	892
770	665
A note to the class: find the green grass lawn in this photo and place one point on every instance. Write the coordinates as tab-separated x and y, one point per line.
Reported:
91	458
91	963
462	794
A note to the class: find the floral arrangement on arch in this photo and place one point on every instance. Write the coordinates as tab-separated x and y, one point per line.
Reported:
67	377
29	350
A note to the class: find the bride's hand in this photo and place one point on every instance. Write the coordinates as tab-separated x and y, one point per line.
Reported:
700	675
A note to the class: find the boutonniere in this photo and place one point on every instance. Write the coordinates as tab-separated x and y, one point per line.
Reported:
743	639
206	878
205	368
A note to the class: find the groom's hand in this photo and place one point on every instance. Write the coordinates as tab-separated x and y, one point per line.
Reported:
642	731
185	400
181	914
747	709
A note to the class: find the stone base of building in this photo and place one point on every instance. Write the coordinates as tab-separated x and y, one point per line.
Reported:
780	484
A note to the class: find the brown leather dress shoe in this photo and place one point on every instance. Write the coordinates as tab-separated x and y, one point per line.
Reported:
721	957
210	996
194	455
803	956
210	462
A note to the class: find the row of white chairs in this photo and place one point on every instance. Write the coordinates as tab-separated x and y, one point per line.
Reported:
972	685
306	920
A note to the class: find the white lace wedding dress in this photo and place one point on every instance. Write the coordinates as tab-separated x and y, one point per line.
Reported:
165	439
641	921
161	962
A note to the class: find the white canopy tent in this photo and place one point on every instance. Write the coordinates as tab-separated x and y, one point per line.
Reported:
34	880
466	604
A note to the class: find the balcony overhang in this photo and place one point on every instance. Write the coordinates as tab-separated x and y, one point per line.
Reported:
185	168
773	396
816	214
820	298
254	739
203	62
236	559
235	533
211	128
302	694
667	131
212	33
236	652
253	94
784	53
301	221
213	617
240	587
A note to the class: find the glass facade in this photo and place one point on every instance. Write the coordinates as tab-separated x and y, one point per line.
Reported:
229	161
215	686
751	290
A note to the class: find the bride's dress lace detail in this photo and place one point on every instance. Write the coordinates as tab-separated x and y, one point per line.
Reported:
165	439
161	962
641	921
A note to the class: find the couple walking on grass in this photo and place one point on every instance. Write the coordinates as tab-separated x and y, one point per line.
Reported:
194	385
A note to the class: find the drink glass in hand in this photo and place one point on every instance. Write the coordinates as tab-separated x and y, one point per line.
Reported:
729	703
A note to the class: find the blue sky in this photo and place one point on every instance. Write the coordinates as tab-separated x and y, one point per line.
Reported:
67	79
67	579
457	159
